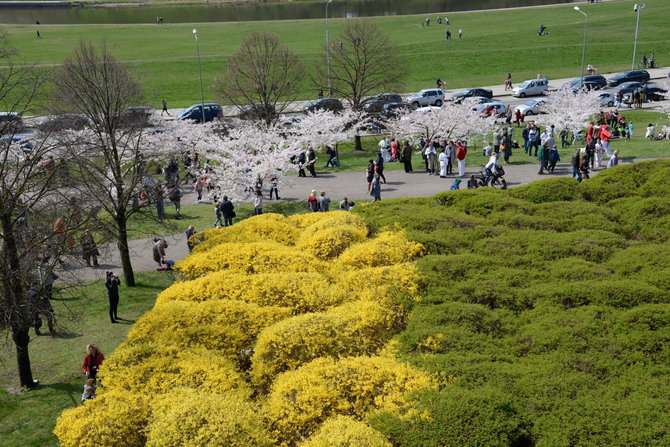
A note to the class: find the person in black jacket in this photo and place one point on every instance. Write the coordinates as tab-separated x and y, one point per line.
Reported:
227	210
379	166
112	285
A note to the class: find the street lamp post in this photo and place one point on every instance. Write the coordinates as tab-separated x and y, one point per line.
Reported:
328	48
202	94
637	8
586	22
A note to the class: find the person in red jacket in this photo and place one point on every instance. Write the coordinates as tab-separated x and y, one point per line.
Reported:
605	135
92	361
461	152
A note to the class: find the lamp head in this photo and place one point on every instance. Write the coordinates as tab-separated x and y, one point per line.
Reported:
195	31
576	8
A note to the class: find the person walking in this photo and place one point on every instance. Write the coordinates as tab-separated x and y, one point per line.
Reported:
302	160
575	163
554	158
311	161
461	152
379	166
375	190
218	223
460	32
175	197
165	109
431	156
407	156
41	305
614	160
198	187
508	81
542	157
324	202
112	283
227	211
92	361
274	184
258	202
89	249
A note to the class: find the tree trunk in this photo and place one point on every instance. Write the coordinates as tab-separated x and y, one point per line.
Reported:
124	251
21	339
357	142
17	302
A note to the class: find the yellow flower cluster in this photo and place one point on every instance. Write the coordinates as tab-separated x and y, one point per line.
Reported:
301	400
343	431
276	329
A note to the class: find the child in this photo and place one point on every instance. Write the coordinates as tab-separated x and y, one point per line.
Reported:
89	390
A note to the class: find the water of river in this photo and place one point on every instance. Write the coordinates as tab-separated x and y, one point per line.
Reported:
254	11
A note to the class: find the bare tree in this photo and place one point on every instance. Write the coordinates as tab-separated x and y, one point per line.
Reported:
363	62
30	202
108	164
263	75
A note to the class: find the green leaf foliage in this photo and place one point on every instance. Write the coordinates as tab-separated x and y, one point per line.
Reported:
545	313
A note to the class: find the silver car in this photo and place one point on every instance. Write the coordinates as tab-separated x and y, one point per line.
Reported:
606	99
427	97
531	87
532	107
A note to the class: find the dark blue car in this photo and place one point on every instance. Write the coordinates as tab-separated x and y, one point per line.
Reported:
212	111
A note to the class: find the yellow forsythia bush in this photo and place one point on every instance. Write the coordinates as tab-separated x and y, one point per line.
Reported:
249	257
224	325
302	292
305	220
334	219
301	400
331	242
270	226
373	283
343	431
113	419
387	248
194	418
170	368
357	328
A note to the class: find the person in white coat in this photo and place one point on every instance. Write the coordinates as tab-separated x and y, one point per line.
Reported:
444	161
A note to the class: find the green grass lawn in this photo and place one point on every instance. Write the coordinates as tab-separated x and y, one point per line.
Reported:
494	43
26	419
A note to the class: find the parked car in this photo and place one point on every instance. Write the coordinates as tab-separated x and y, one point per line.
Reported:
498	106
377	103
628	87
477	100
331	104
629	76
257	112
650	94
135	116
23	142
395	108
11	122
471	92
532	107
607	99
212	111
63	121
427	97
531	87
591	82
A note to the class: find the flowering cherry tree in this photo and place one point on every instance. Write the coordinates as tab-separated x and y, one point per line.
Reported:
568	110
451	121
242	152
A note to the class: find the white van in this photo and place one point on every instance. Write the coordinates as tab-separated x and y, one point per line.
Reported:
531	87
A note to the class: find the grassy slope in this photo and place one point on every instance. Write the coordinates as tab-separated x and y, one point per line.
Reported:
493	44
27	419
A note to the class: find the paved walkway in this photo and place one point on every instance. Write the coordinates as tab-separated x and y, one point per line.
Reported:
337	185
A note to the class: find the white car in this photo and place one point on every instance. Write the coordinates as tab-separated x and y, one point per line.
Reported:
428	109
498	106
532	107
427	97
607	99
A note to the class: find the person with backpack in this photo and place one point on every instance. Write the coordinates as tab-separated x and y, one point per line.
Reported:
313	202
